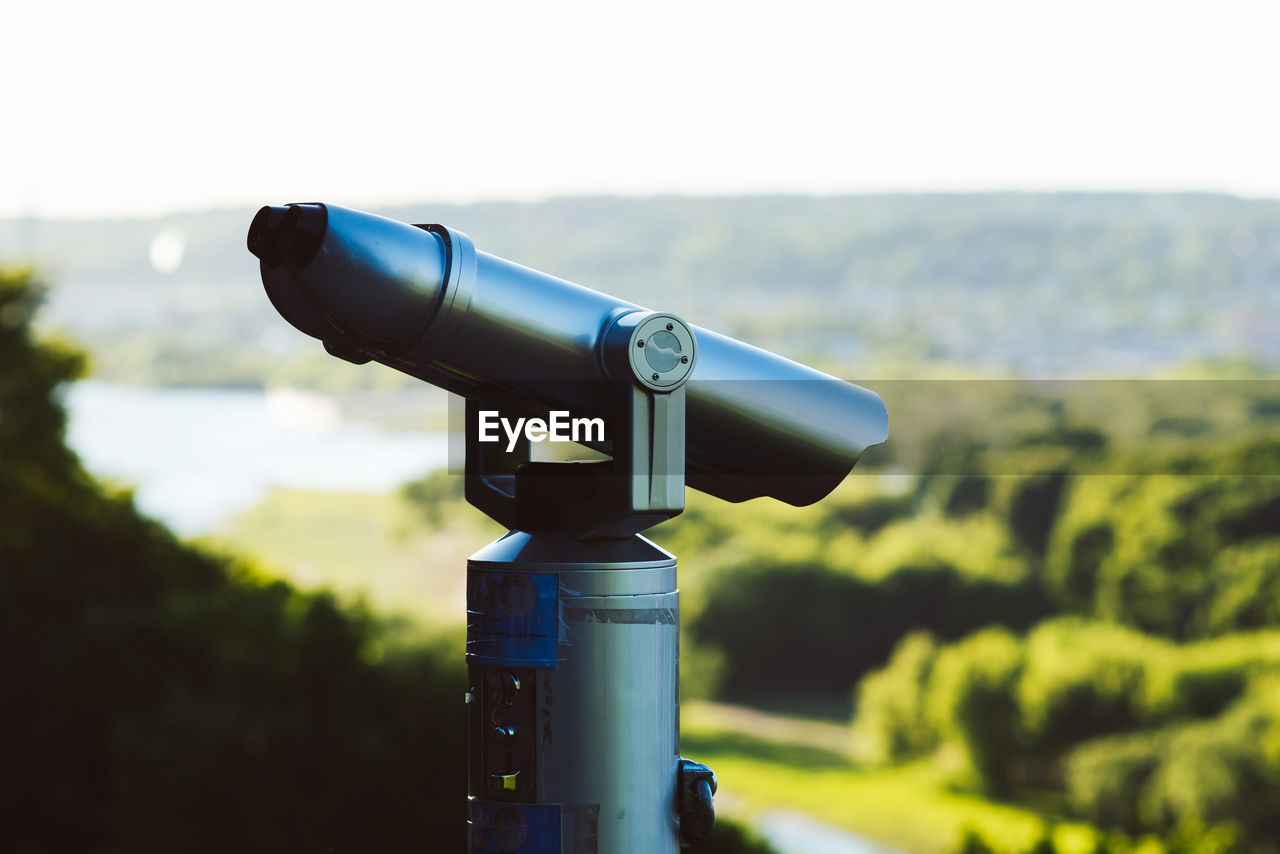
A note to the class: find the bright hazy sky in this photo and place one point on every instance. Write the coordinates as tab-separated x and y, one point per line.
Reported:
135	107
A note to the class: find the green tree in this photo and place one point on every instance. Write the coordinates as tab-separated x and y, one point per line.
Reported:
165	699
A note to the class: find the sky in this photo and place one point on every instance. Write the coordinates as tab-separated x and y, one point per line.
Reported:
138	108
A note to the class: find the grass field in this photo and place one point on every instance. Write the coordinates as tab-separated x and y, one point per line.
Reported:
766	762
362	546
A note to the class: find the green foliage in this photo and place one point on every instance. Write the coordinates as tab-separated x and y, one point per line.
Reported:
1182	556
1083	679
965	494
31	423
837	599
729	837
868	515
1002	712
961	698
969	701
1193	838
168	699
1043	844
809	632
433	495
1033	509
891	721
972	842
1214	783
794	610
1246	588
907	808
1106	777
977	547
1025	506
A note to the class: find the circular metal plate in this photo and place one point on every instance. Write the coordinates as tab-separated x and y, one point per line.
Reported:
662	352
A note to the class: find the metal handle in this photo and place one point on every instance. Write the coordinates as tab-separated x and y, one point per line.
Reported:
697	810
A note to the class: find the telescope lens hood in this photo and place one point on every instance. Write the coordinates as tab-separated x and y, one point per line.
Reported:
373	280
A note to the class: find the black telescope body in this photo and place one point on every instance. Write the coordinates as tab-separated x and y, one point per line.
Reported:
423	300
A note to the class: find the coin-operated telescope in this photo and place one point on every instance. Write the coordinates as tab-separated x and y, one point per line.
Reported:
572	617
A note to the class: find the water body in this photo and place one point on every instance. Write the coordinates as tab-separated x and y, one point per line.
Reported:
198	456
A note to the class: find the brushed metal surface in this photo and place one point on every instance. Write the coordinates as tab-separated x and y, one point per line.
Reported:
607	743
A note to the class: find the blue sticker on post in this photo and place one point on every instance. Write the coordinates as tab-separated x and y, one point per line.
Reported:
514	828
512	618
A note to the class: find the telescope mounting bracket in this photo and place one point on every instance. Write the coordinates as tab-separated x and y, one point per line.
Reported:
646	358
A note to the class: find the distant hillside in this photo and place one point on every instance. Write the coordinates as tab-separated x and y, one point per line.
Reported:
1037	284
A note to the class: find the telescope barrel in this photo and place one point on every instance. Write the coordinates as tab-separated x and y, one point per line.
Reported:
423	300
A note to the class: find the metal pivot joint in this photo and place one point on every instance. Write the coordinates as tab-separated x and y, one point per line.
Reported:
647	358
573	624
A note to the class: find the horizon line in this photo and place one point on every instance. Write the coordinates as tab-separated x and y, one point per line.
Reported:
148	213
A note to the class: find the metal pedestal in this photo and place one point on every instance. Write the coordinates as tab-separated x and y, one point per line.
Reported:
573	663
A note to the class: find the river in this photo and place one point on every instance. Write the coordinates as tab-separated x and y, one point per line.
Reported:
198	456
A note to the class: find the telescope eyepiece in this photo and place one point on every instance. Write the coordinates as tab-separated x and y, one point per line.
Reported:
302	232
290	234
261	241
